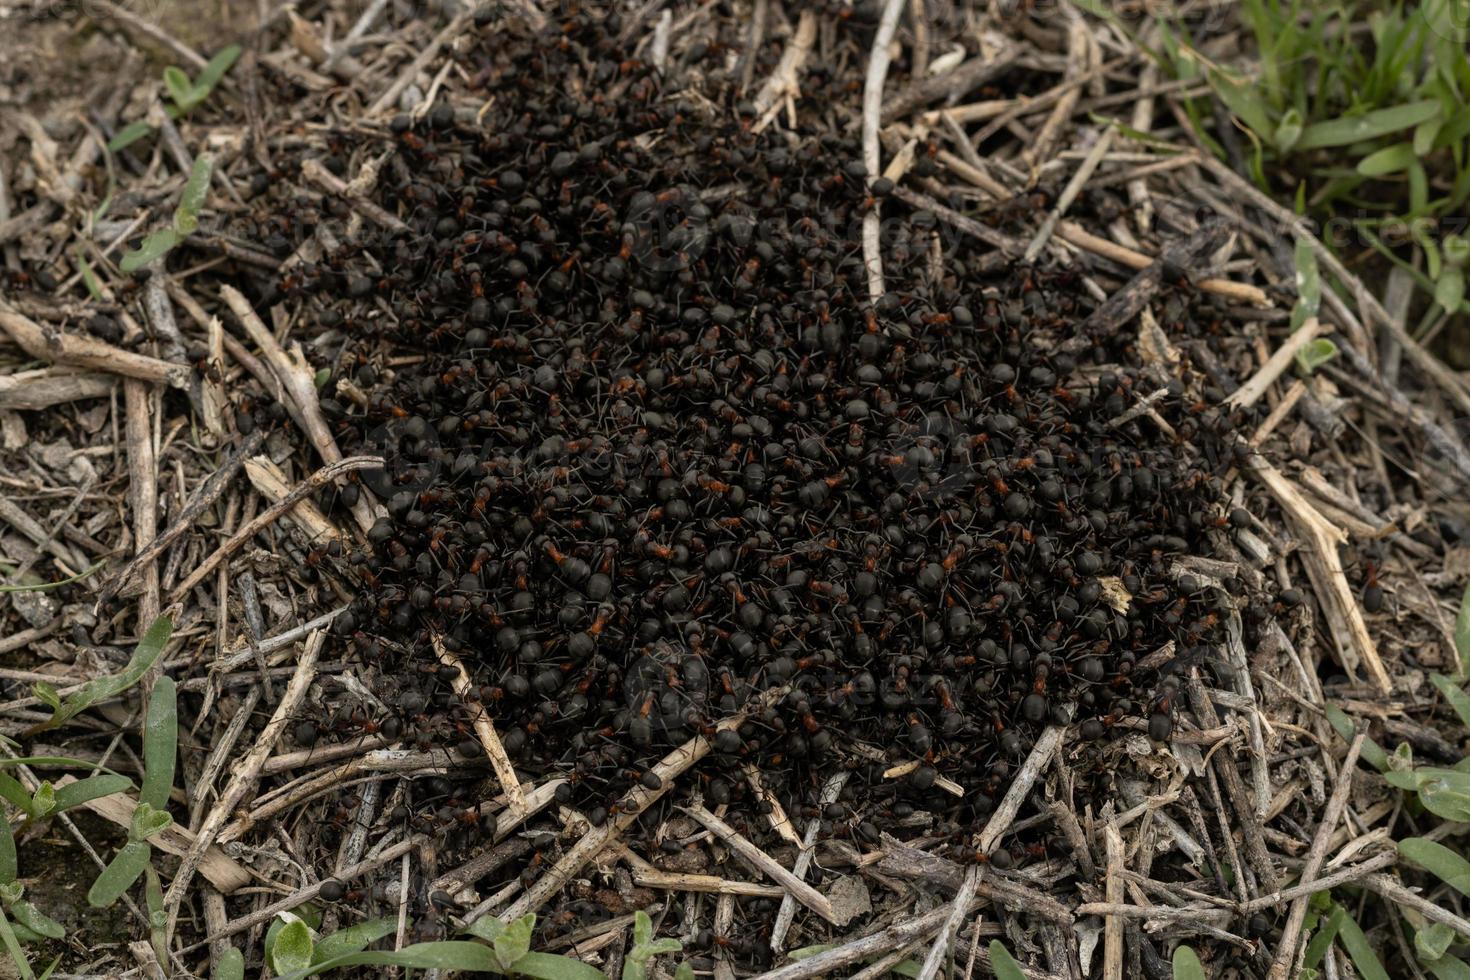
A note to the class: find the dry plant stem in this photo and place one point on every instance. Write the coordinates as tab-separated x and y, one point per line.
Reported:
1276	365
299	383
1113	927
1286	952
1320	540
1069	194
1009	246
830	791
640	798
143	491
804	893
832	962
785	80
270	481
958	910
1084	239
246	773
1378	862
303	489
1079	46
389	98
510	783
309	893
106	10
201	499
220	754
1397	893
313	170
86	352
1040	757
967	77
30	391
878	59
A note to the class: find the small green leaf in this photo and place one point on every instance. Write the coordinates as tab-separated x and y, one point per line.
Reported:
486	928
1425	134
92	788
1288	132
1439	861
180	89
1363	957
46	694
1347	130
1456	250
293	948
231	966
1446	793
129	135
684	972
44	800
1433	941
1241	99
35	920
186	215
1186	964
806	952
642	928
147	652
147	822
1389	160
322	377
1314	354
156	245
1449	289
119	874
1002	964
354	938
160	744
515	941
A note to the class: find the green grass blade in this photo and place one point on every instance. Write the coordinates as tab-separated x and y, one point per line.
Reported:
92	788
1438	860
452	954
1389	160
1449	968
180	89
37	921
160	744
1363	957
12	790
129	135
211	73
119	875
1462	633
1323	937
12	946
1457	698
1347	130
147	652
9	868
1003	964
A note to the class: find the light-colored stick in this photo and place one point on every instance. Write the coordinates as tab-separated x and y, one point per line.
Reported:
958	910
505	771
1005	813
831	789
246	773
878	59
1291	934
1276	365
1113	924
1084	239
78	351
731	838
